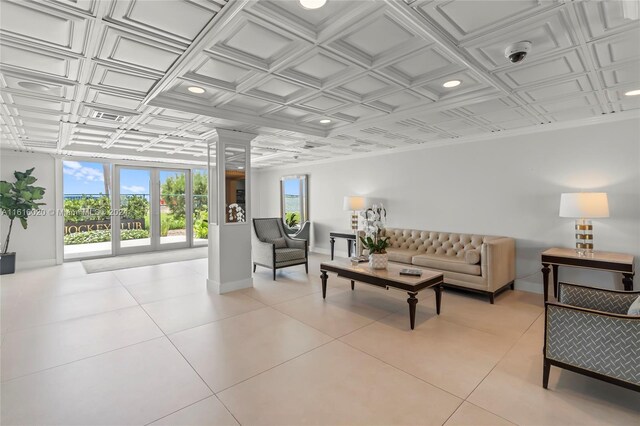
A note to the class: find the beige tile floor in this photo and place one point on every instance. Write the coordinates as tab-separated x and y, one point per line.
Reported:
151	345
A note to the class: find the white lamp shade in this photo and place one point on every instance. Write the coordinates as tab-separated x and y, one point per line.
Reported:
584	205
354	203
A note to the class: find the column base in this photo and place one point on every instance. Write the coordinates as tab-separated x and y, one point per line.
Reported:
222	288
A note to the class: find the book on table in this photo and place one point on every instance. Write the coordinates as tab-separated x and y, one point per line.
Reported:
411	272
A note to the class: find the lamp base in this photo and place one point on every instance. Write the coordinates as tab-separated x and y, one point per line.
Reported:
354	221
584	237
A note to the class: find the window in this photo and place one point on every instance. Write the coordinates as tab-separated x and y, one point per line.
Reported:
293	197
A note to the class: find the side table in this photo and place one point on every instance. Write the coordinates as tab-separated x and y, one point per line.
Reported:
350	236
598	260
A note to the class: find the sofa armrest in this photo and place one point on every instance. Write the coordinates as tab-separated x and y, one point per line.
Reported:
498	262
599	299
601	342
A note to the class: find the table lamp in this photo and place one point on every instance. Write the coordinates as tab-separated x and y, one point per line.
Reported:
584	206
354	204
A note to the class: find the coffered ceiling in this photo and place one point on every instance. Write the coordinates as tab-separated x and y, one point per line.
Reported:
110	78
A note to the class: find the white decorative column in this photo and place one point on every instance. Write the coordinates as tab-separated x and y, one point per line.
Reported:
230	211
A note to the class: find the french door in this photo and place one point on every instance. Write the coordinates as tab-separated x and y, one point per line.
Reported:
154	209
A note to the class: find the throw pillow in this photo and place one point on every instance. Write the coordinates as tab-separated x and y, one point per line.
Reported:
279	242
471	257
634	309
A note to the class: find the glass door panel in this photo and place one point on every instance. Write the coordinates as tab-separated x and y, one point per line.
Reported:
173	207
200	206
135	209
87	209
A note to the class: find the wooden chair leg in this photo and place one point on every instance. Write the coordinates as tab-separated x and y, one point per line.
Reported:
546	367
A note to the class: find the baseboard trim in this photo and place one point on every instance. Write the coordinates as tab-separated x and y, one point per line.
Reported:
337	253
228	287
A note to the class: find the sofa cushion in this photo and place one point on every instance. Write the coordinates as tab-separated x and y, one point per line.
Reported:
288	254
472	257
401	255
445	263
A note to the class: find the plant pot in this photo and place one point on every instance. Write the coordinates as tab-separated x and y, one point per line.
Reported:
7	263
378	260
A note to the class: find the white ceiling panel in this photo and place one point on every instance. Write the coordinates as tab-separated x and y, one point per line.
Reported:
618	48
374	68
556	67
41	24
548	35
603	17
470	19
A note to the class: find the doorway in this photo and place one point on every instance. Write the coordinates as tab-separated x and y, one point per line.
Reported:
155	209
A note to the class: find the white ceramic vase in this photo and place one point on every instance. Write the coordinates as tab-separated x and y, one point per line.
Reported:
378	260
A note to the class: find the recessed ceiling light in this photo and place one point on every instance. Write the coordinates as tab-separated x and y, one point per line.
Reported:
312	4
325	121
195	89
451	83
33	86
240	167
633	93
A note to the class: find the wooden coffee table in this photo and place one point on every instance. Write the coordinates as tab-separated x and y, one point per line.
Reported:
386	278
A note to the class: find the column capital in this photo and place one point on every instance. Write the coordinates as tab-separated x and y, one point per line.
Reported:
234	135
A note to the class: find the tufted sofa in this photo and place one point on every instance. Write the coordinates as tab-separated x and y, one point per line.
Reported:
480	263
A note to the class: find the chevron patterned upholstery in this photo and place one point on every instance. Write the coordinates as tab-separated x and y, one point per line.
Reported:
589	331
599	300
599	343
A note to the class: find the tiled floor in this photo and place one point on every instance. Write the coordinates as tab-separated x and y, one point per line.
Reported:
151	345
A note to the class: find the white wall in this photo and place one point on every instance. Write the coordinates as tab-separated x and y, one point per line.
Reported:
507	186
35	246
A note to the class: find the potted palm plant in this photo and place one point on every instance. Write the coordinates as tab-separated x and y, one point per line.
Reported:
373	241
18	200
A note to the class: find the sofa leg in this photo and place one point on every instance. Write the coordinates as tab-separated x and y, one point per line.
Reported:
254	267
512	285
306	267
545	373
492	298
274	274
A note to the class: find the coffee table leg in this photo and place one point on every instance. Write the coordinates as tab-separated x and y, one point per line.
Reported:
324	277
353	284
545	280
627	281
413	301
438	290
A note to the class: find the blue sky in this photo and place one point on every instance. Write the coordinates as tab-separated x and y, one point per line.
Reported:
81	177
292	187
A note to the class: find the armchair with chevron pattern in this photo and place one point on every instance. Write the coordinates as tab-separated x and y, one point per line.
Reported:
589	331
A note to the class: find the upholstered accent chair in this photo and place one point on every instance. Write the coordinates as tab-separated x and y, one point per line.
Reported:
272	248
301	233
588	331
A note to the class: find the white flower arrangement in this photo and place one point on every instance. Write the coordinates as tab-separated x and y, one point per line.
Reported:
374	219
235	209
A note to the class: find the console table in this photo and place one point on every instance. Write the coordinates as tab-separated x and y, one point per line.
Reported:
350	236
599	260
